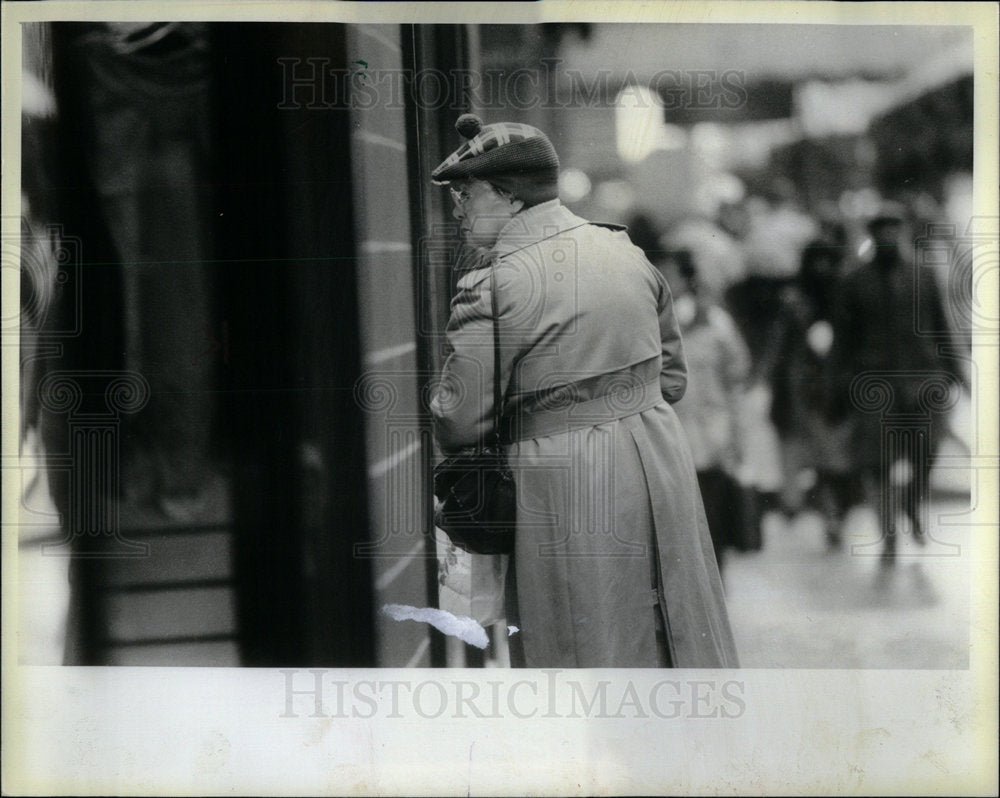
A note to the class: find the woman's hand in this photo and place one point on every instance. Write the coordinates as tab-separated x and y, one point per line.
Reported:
438	507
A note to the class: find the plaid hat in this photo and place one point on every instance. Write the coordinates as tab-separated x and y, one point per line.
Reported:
516	157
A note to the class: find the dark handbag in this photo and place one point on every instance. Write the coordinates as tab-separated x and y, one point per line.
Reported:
476	489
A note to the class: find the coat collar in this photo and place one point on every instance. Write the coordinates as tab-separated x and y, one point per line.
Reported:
545	220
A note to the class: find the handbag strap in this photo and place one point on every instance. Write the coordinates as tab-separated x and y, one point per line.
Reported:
497	395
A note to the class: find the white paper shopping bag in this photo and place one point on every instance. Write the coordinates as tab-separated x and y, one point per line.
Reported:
470	584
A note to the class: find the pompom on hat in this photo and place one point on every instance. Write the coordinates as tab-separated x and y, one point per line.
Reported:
516	157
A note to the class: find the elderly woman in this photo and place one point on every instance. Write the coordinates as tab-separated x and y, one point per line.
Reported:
613	564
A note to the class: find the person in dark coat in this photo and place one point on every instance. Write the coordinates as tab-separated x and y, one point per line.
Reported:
889	375
811	444
613	563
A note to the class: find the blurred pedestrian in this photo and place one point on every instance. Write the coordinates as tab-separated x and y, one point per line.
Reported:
815	452
718	367
613	563
718	253
776	233
887	329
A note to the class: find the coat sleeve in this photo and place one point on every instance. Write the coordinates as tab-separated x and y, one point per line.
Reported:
462	405
673	372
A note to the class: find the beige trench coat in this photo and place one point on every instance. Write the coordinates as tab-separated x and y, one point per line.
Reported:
613	564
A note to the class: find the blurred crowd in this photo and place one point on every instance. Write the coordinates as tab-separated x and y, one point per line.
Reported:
822	361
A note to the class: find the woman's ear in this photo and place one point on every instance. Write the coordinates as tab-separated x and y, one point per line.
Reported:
516	203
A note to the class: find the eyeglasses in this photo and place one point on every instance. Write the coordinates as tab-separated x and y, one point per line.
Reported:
460	196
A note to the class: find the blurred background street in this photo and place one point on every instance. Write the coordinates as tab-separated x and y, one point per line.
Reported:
796	604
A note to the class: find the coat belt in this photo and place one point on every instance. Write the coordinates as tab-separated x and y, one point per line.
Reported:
623	398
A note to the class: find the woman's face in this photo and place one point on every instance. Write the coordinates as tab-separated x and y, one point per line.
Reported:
482	210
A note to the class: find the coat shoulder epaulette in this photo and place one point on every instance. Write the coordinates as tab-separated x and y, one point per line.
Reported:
618	228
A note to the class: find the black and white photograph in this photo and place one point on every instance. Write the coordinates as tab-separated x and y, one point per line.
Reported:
549	398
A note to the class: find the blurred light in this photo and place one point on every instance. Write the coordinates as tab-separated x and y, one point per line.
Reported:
820	337
638	115
574	185
639	125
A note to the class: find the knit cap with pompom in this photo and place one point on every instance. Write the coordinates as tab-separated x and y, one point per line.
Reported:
514	156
